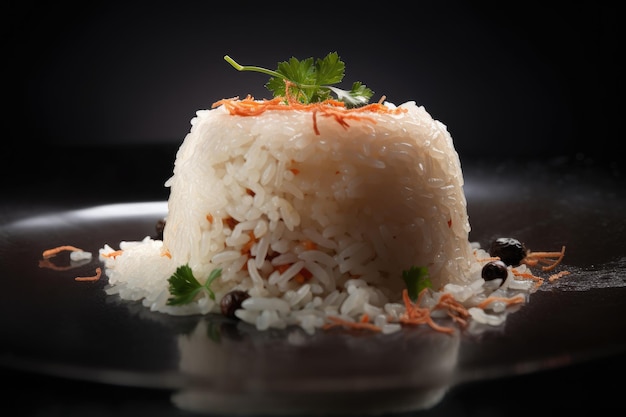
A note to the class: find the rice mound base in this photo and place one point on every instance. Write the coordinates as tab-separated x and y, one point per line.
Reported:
310	224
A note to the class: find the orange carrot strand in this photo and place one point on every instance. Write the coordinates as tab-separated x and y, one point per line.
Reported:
91	278
518	299
328	108
54	251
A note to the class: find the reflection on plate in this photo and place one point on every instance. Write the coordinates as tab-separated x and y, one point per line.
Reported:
54	324
237	367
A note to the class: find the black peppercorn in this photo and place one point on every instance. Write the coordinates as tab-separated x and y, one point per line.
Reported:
494	270
231	302
510	251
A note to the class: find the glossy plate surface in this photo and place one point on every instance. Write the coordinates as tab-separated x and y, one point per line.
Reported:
54	325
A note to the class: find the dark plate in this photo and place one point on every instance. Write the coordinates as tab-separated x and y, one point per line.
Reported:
56	326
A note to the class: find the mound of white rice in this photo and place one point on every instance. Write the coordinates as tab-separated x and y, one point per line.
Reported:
309	224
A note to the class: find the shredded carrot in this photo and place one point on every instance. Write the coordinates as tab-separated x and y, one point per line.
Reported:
282	268
209	218
456	311
303	276
54	251
167	253
362	324
91	278
329	108
246	248
518	299
527	275
419	315
414	314
309	244
113	254
230	222
49	253
546	258
558	275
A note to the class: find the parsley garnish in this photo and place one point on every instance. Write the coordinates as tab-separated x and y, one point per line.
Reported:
311	80
184	286
416	279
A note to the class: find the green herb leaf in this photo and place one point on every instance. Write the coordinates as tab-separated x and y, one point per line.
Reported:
212	277
416	279
358	96
329	70
185	287
312	80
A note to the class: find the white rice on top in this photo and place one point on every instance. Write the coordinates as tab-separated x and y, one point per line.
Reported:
334	218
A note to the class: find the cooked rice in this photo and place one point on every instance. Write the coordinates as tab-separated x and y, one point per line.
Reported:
351	207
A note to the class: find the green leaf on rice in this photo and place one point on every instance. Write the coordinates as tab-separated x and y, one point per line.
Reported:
416	279
184	287
311	80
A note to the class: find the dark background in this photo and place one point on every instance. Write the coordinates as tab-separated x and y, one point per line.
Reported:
519	79
97	96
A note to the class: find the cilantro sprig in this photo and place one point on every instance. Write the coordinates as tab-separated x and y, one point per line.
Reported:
416	279
312	80
185	287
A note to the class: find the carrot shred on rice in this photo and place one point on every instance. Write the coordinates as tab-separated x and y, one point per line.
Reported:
518	299
456	311
113	254
329	108
528	275
417	315
248	245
